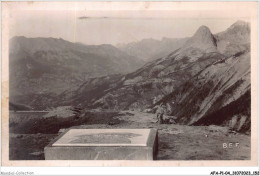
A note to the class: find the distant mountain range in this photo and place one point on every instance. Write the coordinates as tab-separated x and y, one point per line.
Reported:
150	49
203	80
51	66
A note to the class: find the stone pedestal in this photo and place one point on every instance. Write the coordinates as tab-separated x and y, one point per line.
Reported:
104	144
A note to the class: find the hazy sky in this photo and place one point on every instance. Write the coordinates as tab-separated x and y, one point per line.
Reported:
110	27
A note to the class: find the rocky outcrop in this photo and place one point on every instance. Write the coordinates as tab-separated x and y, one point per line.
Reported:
203	39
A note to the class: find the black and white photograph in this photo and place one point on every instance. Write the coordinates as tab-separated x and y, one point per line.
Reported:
120	84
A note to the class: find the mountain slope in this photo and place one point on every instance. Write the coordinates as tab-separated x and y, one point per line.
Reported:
213	89
50	66
220	93
95	60
156	79
198	82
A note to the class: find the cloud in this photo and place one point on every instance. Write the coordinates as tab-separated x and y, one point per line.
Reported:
83	17
87	17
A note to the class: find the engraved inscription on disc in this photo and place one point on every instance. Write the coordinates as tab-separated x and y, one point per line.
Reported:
104	137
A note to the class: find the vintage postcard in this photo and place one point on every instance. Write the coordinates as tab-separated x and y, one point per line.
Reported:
129	84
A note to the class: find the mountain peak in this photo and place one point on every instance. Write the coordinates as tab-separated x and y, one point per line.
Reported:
202	39
203	31
203	28
240	23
